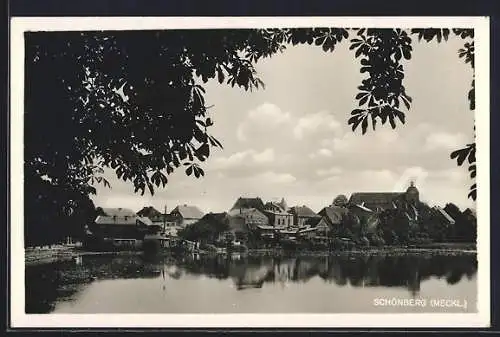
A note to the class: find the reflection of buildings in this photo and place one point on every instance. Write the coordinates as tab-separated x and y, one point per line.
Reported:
362	271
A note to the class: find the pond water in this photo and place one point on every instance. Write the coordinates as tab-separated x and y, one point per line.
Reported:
264	284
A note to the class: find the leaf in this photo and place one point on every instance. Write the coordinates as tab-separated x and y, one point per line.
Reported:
446	33
364	125
196	172
363	100
473	192
203	151
472	155
391	120
189	170
407	53
355	121
361	94
400	115
472	170
460	155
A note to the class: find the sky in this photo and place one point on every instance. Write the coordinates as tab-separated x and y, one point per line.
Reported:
292	139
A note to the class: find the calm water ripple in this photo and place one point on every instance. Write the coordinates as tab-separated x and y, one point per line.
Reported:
219	284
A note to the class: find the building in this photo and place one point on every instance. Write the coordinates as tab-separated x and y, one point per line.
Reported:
301	214
320	225
307	233
120	226
245	204
278	216
265	232
186	215
149	212
333	215
444	216
380	201
163	223
239	227
252	217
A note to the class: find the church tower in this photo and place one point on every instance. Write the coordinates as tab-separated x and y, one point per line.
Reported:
283	204
412	194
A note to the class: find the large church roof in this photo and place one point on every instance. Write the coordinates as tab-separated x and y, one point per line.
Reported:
374	200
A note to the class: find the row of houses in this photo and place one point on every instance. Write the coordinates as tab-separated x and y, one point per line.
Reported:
267	219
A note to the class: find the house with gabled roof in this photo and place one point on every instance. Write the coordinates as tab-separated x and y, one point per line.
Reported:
149	212
186	214
119	226
247	203
278	216
301	214
333	215
320	225
445	217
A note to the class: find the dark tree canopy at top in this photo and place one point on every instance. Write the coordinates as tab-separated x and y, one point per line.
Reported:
133	101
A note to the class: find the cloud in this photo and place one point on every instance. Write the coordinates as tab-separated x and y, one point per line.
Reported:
273	177
265	156
416	174
382	140
265	117
234	160
244	158
444	140
321	153
333	171
322	121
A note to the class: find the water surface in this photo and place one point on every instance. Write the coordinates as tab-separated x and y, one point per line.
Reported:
219	284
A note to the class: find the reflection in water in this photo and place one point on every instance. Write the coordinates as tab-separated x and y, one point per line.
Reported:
49	284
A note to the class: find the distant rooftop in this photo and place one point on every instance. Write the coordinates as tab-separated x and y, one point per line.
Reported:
188	211
118	212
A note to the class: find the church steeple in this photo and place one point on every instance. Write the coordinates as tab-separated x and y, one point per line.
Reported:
412	194
283	204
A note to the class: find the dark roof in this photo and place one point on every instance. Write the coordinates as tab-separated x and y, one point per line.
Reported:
219	217
303	211
149	212
272	204
334	214
374	200
470	212
248	203
188	212
445	215
313	222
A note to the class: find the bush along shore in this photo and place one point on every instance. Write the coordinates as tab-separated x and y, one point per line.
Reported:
57	253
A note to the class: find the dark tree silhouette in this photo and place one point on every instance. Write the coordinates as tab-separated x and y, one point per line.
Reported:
133	102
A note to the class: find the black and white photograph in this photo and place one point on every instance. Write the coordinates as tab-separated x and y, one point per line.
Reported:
215	171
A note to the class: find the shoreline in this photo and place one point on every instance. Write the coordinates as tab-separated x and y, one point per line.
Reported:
33	257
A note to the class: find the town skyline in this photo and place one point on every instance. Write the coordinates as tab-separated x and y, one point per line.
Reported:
292	139
167	209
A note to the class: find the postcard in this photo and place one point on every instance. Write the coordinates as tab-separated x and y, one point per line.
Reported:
249	172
